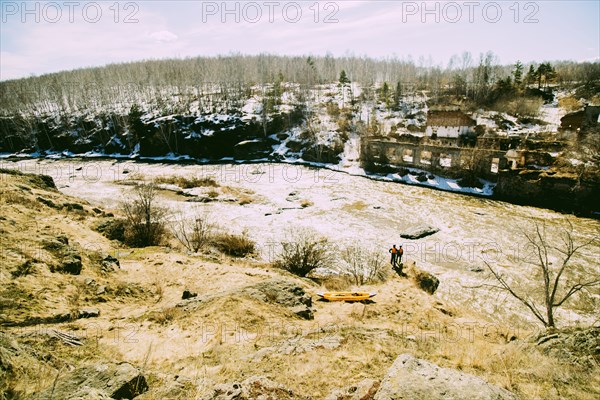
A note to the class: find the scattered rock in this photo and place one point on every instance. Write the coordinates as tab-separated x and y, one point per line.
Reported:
89	312
254	388
46	202
113	381
303	312
55	244
476	269
72	206
89	282
97	210
110	264
293	197
424	280
363	390
419	232
187	294
301	345
70	263
413	378
101	290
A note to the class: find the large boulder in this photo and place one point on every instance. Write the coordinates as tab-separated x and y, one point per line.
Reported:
418	232
283	293
413	378
104	381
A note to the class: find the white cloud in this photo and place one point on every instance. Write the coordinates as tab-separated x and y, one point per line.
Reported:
163	36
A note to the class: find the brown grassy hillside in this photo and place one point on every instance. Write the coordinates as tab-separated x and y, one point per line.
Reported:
228	334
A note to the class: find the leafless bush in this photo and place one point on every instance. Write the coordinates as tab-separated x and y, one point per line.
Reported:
365	266
302	251
194	232
146	221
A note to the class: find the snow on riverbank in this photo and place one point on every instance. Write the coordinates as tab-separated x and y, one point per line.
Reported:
349	164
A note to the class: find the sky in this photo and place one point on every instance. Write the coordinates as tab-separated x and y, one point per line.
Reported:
38	37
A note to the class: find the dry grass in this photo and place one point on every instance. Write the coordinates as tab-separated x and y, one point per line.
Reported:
220	341
186	182
234	245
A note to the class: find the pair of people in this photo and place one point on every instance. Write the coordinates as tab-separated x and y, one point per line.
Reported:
397	253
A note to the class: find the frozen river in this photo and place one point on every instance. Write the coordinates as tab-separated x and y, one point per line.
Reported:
346	209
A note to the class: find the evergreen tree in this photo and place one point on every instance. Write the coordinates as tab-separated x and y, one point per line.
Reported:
137	128
518	74
385	94
531	75
344	81
397	95
545	73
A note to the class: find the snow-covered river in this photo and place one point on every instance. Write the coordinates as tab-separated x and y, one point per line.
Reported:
346	209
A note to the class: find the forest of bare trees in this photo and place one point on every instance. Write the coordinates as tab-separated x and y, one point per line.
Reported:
230	78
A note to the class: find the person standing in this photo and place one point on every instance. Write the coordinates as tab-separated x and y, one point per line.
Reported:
394	252
400	253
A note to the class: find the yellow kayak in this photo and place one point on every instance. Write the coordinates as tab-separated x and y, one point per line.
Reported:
346	296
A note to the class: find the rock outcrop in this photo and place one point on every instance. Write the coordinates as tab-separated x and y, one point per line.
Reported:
578	346
283	293
413	378
280	292
100	381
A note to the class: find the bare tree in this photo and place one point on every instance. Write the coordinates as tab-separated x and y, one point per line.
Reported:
365	266
560	277
194	232
146	220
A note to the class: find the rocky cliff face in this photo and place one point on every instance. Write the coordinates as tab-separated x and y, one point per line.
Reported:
550	189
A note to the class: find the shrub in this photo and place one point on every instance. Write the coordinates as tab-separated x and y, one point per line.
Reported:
234	245
23	269
145	221
195	232
113	229
569	103
333	109
304	251
365	266
523	106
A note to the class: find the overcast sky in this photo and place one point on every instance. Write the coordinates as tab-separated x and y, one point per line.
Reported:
41	37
